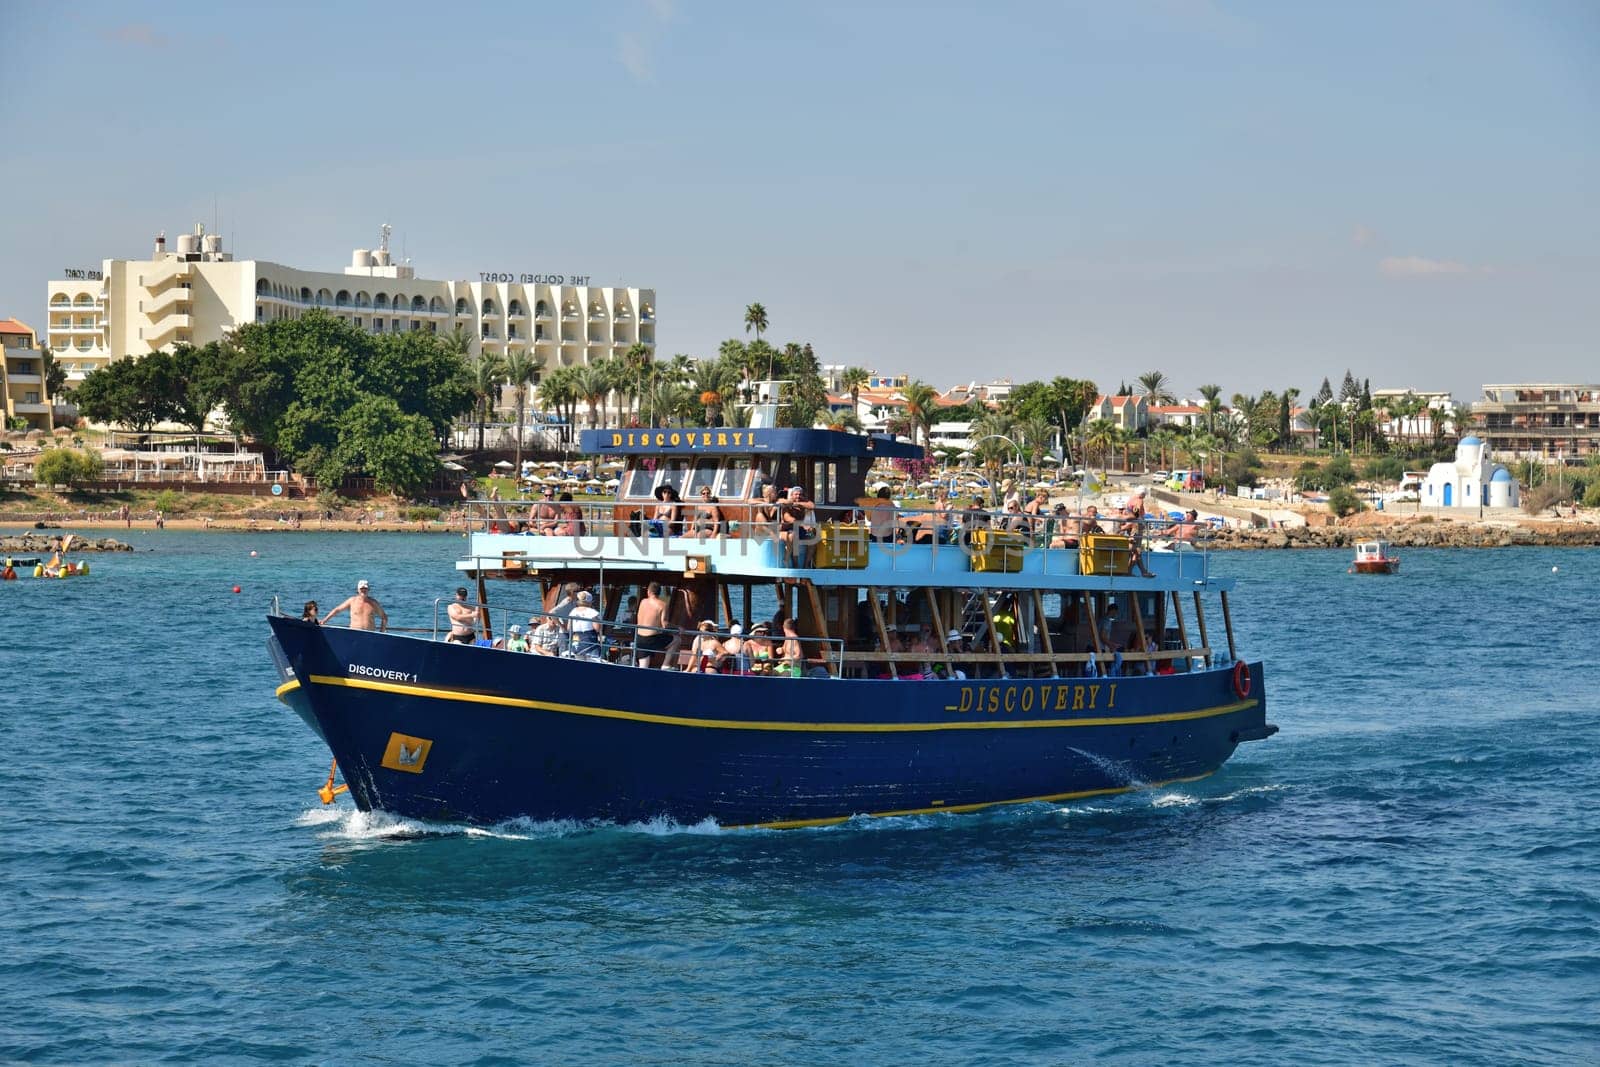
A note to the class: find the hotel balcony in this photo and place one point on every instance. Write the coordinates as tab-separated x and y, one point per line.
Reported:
24	379
166	330
157	306
24	408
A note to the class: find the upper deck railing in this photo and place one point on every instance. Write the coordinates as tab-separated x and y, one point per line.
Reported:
824	536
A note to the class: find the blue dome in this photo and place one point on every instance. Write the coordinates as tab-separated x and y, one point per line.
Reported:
1470	440
1500	475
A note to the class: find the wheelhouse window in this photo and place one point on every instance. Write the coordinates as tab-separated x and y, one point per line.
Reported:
732	479
705	473
673	472
639	482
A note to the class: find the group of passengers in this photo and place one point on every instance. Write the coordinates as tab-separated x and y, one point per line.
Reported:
647	632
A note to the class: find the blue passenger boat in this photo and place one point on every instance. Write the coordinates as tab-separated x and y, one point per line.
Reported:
808	657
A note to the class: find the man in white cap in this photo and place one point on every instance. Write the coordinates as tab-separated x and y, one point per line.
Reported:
362	608
955	643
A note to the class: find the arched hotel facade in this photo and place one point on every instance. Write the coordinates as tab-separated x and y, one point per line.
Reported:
196	293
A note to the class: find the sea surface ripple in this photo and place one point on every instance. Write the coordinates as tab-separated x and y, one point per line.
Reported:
1406	874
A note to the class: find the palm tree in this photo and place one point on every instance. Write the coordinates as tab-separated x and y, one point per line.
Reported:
711	381
852	379
592	385
845	420
755	318
485	373
921	399
1157	389
1212	405
1036	434
521	371
1101	435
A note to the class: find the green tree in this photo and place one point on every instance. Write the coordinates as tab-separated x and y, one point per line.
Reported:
1101	436
485	374
1157	388
199	382
921	402
66	466
1212	395
135	392
592	386
755	318
522	373
852	379
399	451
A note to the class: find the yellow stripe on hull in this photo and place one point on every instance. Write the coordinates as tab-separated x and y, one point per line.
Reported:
432	693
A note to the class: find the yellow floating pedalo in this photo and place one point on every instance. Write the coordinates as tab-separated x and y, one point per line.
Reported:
1104	554
997	550
841	546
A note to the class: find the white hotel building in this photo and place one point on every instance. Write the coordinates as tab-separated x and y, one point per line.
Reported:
196	292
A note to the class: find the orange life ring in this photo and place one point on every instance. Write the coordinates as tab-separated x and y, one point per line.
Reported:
1241	678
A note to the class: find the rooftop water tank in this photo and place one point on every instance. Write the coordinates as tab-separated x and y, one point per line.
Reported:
212	243
188	244
361	258
380	258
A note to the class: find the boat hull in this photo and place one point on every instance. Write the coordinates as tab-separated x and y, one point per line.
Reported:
447	732
1377	566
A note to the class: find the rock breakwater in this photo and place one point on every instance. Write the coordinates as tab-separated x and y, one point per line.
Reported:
1416	535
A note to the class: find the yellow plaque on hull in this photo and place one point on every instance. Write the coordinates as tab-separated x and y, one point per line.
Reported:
406	753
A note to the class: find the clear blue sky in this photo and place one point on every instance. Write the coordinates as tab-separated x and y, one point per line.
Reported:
1253	194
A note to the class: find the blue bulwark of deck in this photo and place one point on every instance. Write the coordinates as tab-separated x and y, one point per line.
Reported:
737	441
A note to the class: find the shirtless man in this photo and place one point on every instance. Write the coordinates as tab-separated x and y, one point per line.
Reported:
650	636
362	608
463	619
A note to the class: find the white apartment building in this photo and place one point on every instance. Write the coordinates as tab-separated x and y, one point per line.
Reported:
196	292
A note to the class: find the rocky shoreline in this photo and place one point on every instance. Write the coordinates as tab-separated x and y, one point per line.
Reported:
1415	535
45	544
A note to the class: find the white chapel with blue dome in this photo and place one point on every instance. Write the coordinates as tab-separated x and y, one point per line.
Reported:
1472	480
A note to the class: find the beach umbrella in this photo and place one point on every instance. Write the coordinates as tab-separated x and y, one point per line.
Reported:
612	483
504	465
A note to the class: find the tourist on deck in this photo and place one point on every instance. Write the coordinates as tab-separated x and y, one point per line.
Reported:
463	619
1063	530
583	626
569	517
790	652
937	526
666	518
651	637
1009	493
363	609
515	642
543	516
735	659
706	650
765	514
796	524
307	613
879	511
1089	522
548	636
759	647
707	518
1012	519
1188	528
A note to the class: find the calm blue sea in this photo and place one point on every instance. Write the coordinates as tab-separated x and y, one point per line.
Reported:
1408	873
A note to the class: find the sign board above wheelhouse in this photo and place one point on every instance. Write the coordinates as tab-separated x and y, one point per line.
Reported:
732	441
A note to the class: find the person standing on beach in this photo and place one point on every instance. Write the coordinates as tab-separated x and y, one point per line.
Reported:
363	609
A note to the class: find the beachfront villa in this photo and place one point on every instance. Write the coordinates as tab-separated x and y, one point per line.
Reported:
1473	480
196	292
